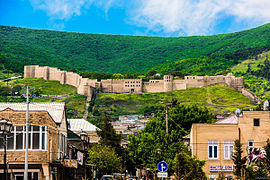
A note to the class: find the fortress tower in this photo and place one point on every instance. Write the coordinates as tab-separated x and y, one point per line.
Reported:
168	83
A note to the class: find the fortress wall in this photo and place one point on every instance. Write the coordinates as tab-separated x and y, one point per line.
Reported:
214	80
29	71
91	82
41	72
26	72
106	85
190	78
73	79
249	95
237	83
54	74
195	83
154	86
133	85
168	83
118	85
179	84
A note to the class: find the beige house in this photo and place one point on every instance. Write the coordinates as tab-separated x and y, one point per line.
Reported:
47	140
214	143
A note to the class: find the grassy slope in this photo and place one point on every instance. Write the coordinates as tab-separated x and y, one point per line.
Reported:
47	87
258	85
116	53
218	98
74	102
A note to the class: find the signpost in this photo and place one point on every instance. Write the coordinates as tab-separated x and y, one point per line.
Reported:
162	167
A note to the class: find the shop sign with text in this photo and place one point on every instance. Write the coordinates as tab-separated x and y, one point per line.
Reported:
221	168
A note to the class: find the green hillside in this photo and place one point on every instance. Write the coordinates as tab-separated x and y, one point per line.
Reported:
255	82
119	53
218	98
16	88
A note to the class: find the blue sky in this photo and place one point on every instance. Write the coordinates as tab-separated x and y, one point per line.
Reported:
137	17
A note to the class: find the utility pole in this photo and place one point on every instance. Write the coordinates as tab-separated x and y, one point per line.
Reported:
166	117
26	136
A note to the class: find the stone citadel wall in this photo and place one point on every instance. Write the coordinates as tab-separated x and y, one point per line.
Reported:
86	86
48	73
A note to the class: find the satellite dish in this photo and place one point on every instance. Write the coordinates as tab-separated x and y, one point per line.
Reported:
266	105
237	112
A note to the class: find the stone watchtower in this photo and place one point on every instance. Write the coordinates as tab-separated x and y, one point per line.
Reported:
168	83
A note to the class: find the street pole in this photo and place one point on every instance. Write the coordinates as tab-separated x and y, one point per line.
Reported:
166	117
5	157
84	159
26	137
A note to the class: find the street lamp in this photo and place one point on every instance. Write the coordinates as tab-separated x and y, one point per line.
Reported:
159	153
5	128
125	146
85	140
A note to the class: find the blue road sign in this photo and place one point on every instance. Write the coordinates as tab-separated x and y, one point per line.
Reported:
162	166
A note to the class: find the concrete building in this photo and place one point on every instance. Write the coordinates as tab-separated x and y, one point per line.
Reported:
214	143
47	135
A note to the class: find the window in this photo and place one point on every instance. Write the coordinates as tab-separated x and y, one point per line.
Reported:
228	149
212	177
256	122
10	139
250	143
37	138
212	149
19	137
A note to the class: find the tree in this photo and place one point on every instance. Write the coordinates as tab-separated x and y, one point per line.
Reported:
105	158
151	73
248	69
117	76
187	167
107	134
267	156
239	161
142	149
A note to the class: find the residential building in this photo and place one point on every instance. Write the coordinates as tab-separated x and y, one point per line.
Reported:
214	143
79	125
47	140
77	147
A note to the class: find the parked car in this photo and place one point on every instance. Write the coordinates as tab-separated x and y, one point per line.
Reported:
107	177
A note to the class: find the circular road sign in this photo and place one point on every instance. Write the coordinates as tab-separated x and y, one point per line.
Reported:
162	166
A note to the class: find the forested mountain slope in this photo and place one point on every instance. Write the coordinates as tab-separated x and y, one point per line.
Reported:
121	53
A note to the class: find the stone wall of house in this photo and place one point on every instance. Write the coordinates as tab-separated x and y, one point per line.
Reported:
40	118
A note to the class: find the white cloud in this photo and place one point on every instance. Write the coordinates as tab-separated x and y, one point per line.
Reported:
196	17
182	17
65	9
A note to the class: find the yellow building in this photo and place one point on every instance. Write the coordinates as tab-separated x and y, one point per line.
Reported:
214	143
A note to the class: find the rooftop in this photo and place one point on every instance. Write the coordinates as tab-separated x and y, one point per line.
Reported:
56	110
233	119
77	125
